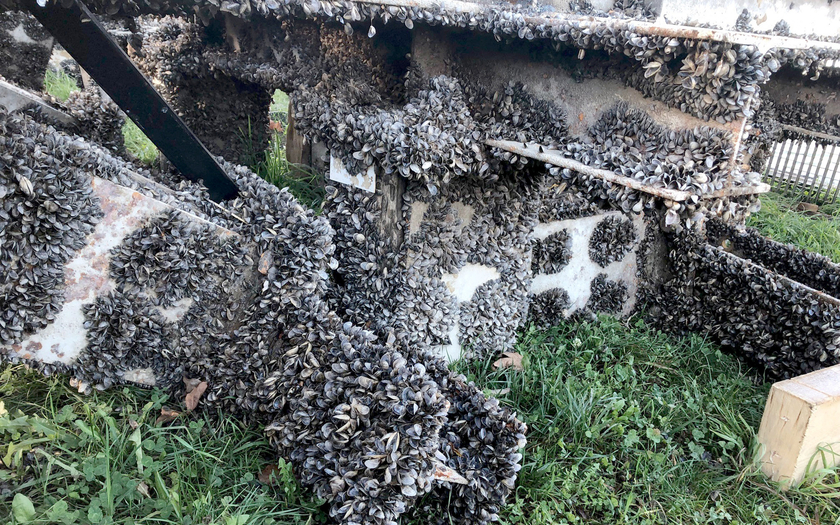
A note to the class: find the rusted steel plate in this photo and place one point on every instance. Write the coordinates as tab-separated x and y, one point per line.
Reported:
13	99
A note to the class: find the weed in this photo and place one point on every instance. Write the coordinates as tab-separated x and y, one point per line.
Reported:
302	181
628	425
59	84
138	144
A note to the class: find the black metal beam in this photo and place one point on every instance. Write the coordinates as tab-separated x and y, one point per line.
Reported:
87	41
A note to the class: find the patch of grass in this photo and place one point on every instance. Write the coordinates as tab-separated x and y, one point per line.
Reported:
779	220
302	181
102	459
59	84
138	144
628	425
279	107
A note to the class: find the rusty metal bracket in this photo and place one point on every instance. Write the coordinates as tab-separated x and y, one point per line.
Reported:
87	41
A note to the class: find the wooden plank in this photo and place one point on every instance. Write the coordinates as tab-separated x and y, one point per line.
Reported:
556	158
808	132
800	420
537	152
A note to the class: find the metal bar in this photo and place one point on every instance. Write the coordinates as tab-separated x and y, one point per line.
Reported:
13	99
825	171
826	136
793	165
774	151
802	166
81	34
784	167
820	169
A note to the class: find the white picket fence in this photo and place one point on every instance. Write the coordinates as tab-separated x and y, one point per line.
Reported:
806	168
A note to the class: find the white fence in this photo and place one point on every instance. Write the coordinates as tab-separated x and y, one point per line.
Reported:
806	168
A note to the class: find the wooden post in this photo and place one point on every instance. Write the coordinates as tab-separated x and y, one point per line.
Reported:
802	417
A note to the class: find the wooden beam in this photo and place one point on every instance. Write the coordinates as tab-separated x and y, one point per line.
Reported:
815	134
799	430
556	158
761	41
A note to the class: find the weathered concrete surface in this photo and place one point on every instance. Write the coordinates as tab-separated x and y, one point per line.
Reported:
87	275
576	277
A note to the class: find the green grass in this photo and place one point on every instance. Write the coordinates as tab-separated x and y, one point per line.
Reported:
302	181
68	458
626	425
279	106
59	84
138	144
779	220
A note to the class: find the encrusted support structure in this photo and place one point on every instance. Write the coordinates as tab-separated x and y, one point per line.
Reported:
487	166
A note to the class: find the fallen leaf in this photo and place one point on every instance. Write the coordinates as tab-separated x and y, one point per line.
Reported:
192	398
509	360
133	424
190	384
444	473
167	415
269	474
143	489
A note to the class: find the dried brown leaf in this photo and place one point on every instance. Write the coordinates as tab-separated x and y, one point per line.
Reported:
509	360
167	415
193	397
266	260
190	384
269	474
143	489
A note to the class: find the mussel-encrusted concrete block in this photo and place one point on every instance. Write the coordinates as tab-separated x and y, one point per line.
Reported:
154	284
759	314
459	282
585	263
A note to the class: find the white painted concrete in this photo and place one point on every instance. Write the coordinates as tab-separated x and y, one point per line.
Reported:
576	276
364	181
465	212
463	286
418	210
87	274
177	311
